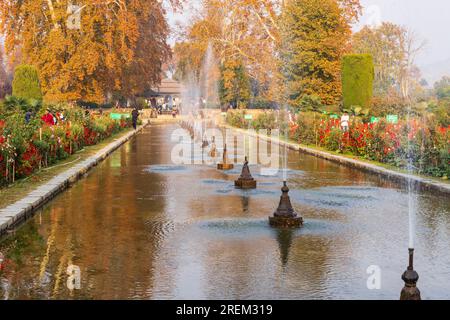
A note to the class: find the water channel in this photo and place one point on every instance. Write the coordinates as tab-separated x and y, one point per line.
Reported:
140	227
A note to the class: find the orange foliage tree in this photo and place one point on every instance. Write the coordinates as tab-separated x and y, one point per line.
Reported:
86	52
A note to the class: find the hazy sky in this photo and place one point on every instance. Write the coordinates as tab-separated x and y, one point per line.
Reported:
429	19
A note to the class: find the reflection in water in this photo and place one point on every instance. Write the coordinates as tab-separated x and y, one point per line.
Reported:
284	238
245	203
140	227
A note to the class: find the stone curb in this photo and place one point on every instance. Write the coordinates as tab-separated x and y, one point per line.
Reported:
417	182
18	212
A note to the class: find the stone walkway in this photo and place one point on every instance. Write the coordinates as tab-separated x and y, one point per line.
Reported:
13	215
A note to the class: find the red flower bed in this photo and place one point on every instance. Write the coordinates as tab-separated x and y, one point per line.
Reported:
30	146
29	160
425	147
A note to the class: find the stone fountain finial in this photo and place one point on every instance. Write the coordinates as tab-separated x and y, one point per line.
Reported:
213	151
205	143
285	216
410	277
245	180
225	165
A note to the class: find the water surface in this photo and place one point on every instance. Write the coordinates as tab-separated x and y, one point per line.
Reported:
140	227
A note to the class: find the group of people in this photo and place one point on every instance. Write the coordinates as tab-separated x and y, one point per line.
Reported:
49	117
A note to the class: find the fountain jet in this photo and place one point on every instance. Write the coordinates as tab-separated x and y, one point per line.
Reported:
285	216
245	180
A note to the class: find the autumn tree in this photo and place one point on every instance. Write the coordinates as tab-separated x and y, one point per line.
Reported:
394	49
315	36
238	30
234	87
442	88
86	51
3	75
441	109
383	43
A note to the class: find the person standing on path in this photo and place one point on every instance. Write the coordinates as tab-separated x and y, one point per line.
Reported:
134	117
344	121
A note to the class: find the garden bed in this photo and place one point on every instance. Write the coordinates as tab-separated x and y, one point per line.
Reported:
26	147
420	146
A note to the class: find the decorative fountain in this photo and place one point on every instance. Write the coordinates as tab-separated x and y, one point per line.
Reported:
213	151
410	277
225	165
285	215
205	143
245	180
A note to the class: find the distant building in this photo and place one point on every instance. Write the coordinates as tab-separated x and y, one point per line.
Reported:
167	93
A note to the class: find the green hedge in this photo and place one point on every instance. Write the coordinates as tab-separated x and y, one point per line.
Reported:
26	83
357	80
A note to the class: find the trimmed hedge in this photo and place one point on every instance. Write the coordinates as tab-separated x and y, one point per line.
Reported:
26	83
357	80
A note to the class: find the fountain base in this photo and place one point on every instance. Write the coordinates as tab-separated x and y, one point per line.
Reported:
410	277
410	293
245	180
286	222
285	216
245	184
225	166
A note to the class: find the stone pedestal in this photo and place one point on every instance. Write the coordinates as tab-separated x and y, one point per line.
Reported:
285	216
225	165
410	277
245	180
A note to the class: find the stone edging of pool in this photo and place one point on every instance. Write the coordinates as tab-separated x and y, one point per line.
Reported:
18	212
402	178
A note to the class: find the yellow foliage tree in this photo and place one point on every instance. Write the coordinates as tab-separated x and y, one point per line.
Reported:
315	36
251	31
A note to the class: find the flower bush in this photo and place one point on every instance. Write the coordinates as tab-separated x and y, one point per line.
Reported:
422	145
26	147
